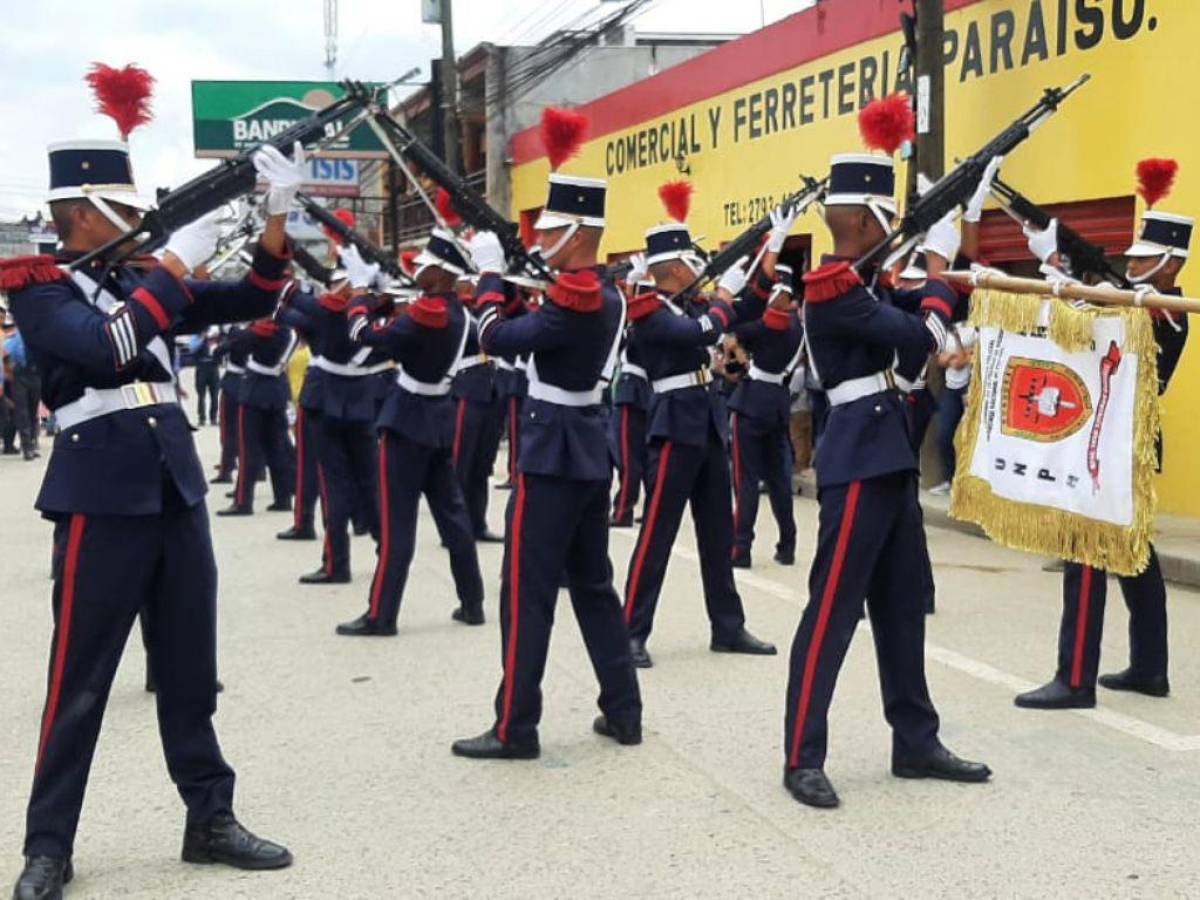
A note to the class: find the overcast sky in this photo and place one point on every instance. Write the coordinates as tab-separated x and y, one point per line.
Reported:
47	45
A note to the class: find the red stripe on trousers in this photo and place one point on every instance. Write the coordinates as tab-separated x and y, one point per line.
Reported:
514	617
385	531
458	429
623	497
818	636
243	464
737	481
1081	623
647	531
297	519
512	439
323	488
63	644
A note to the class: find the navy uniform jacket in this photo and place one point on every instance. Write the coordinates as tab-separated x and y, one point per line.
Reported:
311	388
632	389
424	339
270	345
476	383
570	340
773	343
235	355
115	464
853	332
1171	334
675	341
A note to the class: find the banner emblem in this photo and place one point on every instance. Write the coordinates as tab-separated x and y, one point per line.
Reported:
1043	401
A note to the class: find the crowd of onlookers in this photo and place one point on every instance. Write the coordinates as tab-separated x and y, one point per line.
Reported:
20	395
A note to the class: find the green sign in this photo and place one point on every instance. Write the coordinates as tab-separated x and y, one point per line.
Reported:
231	116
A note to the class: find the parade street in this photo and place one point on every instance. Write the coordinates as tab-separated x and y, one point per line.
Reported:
342	746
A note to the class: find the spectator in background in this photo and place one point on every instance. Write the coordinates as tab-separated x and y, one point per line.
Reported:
208	374
957	363
26	395
800	427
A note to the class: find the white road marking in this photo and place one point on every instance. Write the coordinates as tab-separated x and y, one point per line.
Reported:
981	671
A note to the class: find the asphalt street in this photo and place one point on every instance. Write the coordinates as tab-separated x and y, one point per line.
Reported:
342	745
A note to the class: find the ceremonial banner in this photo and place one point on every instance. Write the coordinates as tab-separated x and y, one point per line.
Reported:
1057	446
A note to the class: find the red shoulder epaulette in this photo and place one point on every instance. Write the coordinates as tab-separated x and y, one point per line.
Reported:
577	291
777	319
829	281
265	327
335	302
21	271
430	312
642	305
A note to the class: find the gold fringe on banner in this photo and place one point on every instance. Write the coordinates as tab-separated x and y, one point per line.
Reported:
1043	529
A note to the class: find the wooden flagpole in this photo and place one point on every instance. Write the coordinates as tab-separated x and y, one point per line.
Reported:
1103	294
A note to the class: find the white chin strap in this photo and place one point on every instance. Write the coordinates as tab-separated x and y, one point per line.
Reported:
548	253
884	216
1142	279
107	211
694	263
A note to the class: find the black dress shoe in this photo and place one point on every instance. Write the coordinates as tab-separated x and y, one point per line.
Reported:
29	454
11	451
236	510
943	764
785	557
637	651
468	616
627	734
741	562
222	479
223	840
364	626
626	522
744	642
1056	695
488	746
1128	680
43	878
810	787
297	534
280	506
231	494
489	537
322	577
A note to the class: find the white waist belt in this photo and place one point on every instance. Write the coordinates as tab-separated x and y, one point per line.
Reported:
628	368
505	365
257	367
762	375
235	369
379	368
334	368
679	382
522	365
469	362
101	402
539	390
857	388
423	388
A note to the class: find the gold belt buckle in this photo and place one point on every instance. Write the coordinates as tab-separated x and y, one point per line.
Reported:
889	378
702	376
138	394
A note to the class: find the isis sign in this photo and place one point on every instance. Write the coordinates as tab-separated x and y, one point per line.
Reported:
231	116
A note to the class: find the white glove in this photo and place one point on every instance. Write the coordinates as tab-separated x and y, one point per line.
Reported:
974	210
781	225
1043	244
194	244
283	176
943	238
923	184
359	272
734	279
638	269
486	252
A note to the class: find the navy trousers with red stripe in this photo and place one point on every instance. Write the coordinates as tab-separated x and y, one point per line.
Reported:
1084	593
308	486
761	453
629	432
408	470
263	440
513	428
866	549
228	411
557	525
347	451
477	430
679	475
107	568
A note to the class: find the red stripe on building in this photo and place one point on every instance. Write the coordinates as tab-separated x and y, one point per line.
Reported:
1081	624
832	581
514	614
385	530
63	643
635	577
815	33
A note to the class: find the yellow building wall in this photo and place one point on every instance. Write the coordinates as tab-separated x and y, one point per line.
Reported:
1139	103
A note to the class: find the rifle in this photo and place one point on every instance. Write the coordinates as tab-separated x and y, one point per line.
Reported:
225	182
956	187
402	144
323	275
1080	255
747	242
367	249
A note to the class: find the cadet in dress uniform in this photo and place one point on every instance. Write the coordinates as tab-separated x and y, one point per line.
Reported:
1155	259
631	402
262	415
759	423
688	433
557	519
228	406
867	490
125	490
416	428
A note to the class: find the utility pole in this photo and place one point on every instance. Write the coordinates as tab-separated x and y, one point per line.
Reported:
931	89
449	89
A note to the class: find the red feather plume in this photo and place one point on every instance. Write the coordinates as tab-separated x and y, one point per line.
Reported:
446	209
562	131
1156	177
408	261
122	94
888	122
676	197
